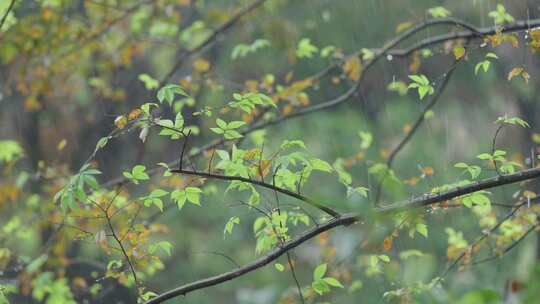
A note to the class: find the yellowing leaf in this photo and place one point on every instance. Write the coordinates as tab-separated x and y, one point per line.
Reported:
414	66
263	168
61	145
412	181
529	194
201	65
536	138
31	104
134	114
534	44
518	72
387	243
459	52
352	67
407	128
427	170
498	39
403	26
120	121
514	72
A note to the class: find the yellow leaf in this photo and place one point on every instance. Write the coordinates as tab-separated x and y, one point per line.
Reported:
403	26
61	145
412	181
407	128
251	154
459	52
120	121
535	40
519	72
201	65
352	67
529	194
514	72
287	109
303	98
387	243
263	168
251	85
525	76
31	104
427	170
536	138
414	66
134	114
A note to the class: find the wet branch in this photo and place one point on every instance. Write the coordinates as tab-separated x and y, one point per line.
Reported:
345	220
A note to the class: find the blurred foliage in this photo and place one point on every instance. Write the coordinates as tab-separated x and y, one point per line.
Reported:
100	97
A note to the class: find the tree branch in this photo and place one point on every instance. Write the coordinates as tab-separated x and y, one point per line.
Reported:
389	49
345	220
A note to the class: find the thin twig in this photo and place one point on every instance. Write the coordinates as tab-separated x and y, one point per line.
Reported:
215	34
416	127
303	198
4	18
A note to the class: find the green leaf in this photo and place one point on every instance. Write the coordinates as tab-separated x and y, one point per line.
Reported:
139	173
231	134
305	49
158	193
367	54
320	287
221	123
319	272
149	82
279	266
230	224
327	51
163	245
167	93
193	195
321	165
217	130
422	84
102	142
363	191
384	258
439	12
286	144
235	124
333	282
422	229
484	156
366	138
180	197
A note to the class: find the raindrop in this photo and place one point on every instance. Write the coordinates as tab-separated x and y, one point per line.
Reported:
389	57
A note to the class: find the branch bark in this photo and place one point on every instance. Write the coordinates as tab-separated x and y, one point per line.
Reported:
345	220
